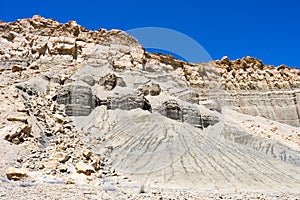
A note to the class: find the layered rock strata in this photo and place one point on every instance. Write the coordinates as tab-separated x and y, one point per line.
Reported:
83	106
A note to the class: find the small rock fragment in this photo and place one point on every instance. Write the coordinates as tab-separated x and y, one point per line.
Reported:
62	168
17	117
16	174
16	68
109	81
83	168
87	154
155	90
50	163
59	118
145	90
69	181
61	157
34	67
26	129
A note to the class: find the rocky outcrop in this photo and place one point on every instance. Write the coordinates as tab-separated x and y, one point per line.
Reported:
46	39
191	115
251	74
257	89
81	106
79	100
70	43
171	109
128	103
269	147
282	106
153	89
110	81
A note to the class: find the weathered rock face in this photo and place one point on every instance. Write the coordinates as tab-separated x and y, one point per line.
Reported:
281	106
79	100
171	109
191	115
198	119
63	43
81	105
89	80
257	89
70	43
128	103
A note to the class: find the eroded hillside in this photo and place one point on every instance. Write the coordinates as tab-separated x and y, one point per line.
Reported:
81	106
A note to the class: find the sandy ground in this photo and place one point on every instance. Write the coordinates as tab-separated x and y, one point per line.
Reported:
27	190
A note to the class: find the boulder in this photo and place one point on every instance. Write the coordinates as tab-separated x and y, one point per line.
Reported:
123	63
19	117
26	129
61	157
145	90
16	174
59	118
10	132
15	134
97	163
109	81
87	154
34	67
16	68
155	89
83	168
50	163
121	82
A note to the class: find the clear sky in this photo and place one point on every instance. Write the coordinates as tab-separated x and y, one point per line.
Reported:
268	30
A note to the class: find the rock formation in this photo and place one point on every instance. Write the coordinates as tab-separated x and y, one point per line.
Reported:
258	89
81	106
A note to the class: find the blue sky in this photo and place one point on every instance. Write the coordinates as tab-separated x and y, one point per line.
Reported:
268	30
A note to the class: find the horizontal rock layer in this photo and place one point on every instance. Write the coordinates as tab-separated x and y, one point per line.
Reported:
82	105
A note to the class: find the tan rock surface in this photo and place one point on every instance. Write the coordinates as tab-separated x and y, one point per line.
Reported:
84	168
16	173
92	107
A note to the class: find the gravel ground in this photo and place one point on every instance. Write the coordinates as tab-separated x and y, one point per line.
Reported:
28	190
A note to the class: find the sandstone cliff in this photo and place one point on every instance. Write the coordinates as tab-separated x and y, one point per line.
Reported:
84	106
